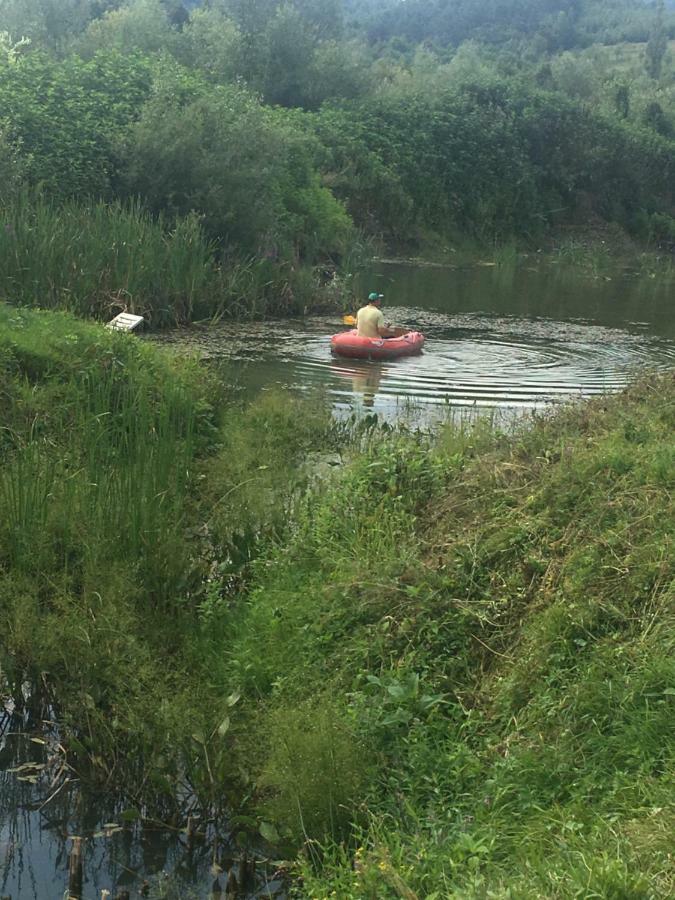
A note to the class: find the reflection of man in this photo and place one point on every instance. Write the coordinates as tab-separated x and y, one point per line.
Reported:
370	320
366	381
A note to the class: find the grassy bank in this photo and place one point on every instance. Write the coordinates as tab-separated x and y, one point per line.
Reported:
592	252
133	493
457	678
445	669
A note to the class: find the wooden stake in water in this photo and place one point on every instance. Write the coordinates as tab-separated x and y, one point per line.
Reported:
247	871
75	870
232	886
190	832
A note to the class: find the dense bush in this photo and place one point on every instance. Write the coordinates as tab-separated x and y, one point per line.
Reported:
195	114
69	114
490	158
245	168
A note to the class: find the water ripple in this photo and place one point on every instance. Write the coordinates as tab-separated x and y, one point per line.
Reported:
470	360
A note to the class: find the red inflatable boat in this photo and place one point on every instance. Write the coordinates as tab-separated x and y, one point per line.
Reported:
348	343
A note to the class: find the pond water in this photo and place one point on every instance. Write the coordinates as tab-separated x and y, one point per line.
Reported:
43	806
504	339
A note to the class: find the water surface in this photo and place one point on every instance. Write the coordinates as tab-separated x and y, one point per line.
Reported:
510	340
43	806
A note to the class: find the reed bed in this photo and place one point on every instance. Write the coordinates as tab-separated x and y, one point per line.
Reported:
98	259
102	258
103	471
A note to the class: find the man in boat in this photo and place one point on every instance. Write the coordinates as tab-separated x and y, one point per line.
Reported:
370	319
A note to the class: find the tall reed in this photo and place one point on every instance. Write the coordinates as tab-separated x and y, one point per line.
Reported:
103	472
97	259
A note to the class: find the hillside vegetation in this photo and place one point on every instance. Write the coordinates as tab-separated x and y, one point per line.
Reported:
272	146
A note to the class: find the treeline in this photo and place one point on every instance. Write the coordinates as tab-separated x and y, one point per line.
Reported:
563	23
283	132
551	24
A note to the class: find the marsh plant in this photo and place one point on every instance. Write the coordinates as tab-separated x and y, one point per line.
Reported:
135	494
97	259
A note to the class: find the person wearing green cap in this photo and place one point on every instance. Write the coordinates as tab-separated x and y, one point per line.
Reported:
370	320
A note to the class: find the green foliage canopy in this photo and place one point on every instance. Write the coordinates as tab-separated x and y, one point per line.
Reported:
245	168
69	115
502	136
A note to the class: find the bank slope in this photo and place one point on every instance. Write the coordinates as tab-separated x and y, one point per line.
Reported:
458	679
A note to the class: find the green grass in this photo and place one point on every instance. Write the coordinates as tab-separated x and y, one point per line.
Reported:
99	451
96	427
117	534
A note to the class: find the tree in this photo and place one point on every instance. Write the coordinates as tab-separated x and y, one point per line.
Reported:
142	26
622	100
251	15
493	21
655	118
575	75
212	43
68	114
286	58
13	164
49	23
11	50
657	43
248	171
324	16
339	70
356	172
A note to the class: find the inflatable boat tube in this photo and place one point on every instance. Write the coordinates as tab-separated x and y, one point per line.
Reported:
349	344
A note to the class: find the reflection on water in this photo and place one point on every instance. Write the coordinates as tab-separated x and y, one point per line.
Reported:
553	292
42	806
365	378
509	340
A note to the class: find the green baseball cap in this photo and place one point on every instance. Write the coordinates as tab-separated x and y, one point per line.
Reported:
375	296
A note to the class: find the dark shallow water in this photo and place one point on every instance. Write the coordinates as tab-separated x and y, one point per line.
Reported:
507	341
43	806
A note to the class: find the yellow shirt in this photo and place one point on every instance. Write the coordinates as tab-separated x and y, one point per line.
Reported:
368	320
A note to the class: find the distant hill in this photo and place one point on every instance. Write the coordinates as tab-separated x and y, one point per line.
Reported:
563	23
